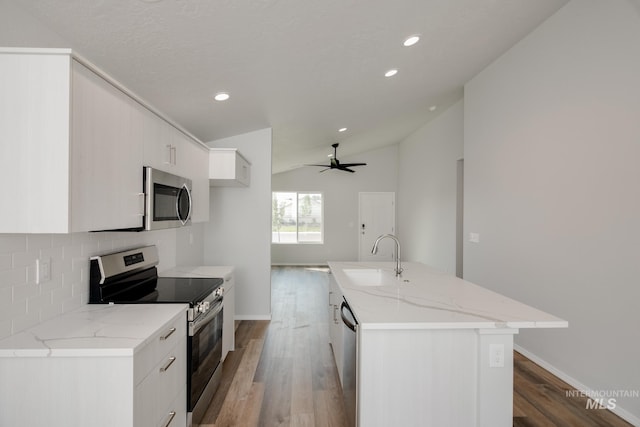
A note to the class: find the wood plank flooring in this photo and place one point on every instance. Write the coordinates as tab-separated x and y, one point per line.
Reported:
282	372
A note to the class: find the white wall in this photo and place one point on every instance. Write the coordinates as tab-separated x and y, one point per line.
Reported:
427	187
552	142
239	230
340	191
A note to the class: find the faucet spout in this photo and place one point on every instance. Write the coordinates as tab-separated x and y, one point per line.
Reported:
374	250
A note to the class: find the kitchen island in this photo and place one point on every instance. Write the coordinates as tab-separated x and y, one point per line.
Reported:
432	349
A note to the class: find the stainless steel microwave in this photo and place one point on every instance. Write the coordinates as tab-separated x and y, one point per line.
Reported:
167	200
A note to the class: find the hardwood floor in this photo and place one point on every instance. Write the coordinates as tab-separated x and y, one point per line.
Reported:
282	372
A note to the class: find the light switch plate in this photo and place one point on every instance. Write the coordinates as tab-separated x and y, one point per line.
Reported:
43	270
474	237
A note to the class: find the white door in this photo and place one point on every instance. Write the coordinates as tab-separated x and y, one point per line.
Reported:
377	217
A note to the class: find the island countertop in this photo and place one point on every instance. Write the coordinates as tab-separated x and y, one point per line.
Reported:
426	298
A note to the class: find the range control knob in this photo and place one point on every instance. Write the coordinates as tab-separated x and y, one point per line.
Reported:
219	291
205	306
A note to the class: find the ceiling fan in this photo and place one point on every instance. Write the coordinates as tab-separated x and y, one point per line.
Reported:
335	163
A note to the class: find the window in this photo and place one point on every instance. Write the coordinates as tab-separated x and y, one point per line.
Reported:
296	217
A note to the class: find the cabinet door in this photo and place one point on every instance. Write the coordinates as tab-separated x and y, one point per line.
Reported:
106	171
158	151
34	143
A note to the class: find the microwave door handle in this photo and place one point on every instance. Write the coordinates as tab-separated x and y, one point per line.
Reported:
183	220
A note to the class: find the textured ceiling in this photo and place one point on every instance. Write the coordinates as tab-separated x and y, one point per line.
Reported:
304	68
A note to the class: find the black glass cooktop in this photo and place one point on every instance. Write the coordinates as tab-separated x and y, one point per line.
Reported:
182	289
146	287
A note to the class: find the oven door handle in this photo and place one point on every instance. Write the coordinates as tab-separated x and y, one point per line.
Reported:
197	324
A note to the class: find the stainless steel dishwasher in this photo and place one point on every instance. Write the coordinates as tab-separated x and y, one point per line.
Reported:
349	375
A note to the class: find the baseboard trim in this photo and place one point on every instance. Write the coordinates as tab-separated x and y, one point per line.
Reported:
619	411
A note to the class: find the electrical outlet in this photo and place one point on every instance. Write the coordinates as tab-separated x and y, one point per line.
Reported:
43	270
496	355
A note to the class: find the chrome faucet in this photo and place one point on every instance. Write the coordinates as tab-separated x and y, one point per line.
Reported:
398	268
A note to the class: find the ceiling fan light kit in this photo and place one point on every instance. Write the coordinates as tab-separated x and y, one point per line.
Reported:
335	163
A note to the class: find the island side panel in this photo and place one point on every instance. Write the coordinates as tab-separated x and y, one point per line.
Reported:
495	377
417	377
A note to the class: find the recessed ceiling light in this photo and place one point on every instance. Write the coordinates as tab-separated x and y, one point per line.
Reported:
222	96
391	73
342	129
410	41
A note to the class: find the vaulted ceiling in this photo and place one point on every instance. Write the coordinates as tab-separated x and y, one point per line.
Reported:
305	68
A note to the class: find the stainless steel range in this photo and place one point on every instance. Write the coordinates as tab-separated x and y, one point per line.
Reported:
131	277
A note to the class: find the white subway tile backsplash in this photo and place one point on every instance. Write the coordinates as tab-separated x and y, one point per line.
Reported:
22	292
15	276
50	311
38	303
10	243
6	262
59	295
16	309
39	241
25	259
23	303
5	328
25	321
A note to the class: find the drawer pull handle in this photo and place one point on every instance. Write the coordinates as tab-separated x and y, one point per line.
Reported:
169	363
168	334
172	414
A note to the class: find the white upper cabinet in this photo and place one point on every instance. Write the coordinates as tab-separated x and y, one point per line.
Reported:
67	147
73	144
227	167
106	166
34	142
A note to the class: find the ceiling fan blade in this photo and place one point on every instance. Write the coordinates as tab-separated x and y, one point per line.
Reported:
343	168
348	165
322	166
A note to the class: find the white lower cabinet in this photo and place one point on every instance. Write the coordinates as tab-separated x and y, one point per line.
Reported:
90	374
161	369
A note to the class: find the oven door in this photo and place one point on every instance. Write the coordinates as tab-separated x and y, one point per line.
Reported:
204	355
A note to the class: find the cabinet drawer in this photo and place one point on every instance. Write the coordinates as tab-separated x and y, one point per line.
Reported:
175	413
172	375
159	346
157	392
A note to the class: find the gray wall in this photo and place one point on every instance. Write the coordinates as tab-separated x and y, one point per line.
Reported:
552	142
340	191
427	181
239	230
